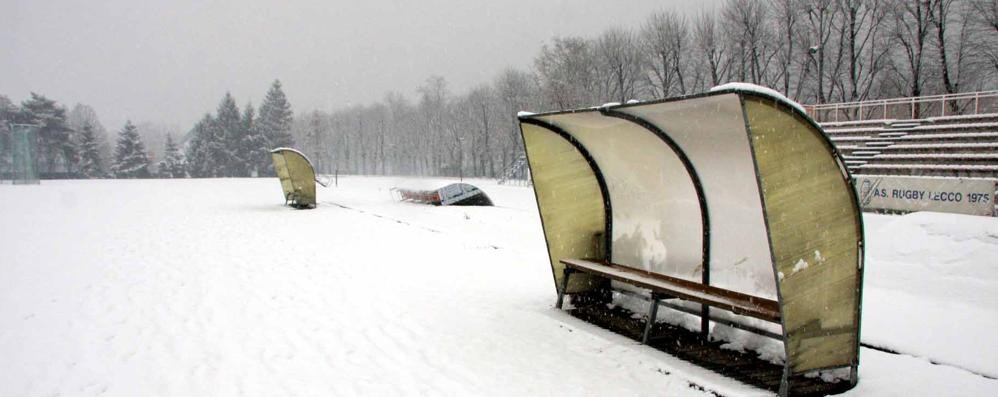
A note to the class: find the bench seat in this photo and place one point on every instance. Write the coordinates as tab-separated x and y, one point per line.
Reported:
666	287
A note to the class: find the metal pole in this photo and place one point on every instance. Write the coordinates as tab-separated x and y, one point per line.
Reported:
564	287
652	314
336	177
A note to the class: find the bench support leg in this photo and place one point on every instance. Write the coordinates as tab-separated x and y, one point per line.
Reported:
652	315
704	321
564	287
785	381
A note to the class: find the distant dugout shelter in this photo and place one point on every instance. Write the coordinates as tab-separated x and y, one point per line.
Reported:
297	177
736	189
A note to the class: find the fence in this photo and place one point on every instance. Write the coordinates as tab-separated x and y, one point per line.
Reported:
970	103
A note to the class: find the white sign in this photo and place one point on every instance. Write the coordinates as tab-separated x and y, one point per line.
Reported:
909	194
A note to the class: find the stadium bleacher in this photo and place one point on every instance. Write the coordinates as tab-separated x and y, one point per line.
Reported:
951	146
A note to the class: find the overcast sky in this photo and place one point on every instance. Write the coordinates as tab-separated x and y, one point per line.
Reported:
169	62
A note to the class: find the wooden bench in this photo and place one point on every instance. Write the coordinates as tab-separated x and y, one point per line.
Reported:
665	287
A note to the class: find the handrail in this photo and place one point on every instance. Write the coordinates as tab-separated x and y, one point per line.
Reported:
966	103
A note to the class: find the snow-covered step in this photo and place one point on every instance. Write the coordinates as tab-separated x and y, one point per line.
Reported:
904	124
947	156
953	136
892	134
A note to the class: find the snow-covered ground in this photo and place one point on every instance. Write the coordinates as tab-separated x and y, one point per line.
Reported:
212	287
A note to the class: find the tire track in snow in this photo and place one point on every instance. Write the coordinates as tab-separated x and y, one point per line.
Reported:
930	359
377	215
406	223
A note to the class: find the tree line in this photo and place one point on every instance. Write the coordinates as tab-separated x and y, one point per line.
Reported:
74	144
812	51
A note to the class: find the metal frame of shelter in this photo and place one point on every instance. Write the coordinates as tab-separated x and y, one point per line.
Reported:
297	177
18	150
735	188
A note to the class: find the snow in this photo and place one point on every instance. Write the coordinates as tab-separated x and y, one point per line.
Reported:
212	287
800	265
831	129
976	167
934	277
939	156
942	145
766	91
954	135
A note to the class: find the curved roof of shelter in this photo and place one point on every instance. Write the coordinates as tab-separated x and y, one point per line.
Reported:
287	149
743	89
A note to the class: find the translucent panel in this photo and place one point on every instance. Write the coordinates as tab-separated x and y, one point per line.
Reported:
815	231
656	213
281	169
711	131
569	200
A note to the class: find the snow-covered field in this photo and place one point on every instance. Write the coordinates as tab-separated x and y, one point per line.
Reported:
212	287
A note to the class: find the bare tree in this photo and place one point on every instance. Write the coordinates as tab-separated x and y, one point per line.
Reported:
821	19
951	46
747	27
619	62
710	48
911	29
865	45
665	40
565	73
984	42
480	108
435	132
787	14
516	91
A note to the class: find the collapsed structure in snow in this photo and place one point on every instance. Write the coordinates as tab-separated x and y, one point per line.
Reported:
453	194
731	205
297	177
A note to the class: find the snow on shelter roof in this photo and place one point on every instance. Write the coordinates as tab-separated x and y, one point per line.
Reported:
745	89
735	188
758	89
280	149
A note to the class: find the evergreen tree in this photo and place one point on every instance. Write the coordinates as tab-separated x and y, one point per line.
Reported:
202	157
54	141
130	159
83	114
229	123
254	148
89	165
276	117
172	165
